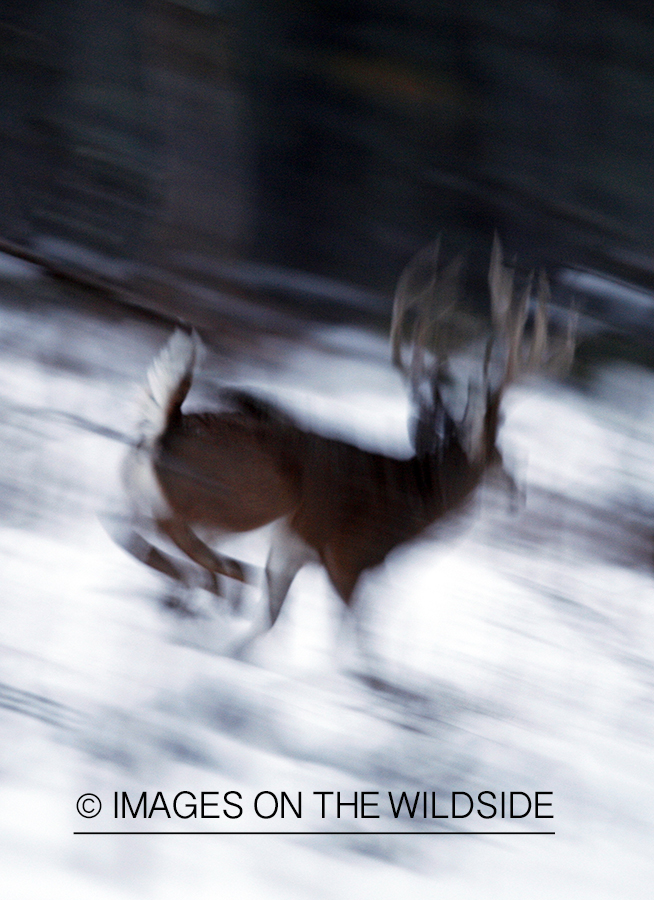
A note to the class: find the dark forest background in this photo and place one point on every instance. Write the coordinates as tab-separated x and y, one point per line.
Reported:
304	150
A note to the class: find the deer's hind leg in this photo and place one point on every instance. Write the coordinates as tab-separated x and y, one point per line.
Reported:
210	562
145	552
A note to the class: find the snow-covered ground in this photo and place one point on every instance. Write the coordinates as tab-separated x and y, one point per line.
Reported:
512	653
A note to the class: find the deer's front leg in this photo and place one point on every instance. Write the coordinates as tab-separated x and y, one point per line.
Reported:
288	553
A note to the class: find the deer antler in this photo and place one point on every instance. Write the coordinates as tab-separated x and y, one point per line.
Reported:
509	318
432	295
520	356
416	283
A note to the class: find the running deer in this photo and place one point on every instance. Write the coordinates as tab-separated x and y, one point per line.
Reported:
248	465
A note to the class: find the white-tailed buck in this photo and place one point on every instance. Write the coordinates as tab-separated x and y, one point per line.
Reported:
237	469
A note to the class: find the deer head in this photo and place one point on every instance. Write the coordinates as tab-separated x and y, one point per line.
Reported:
441	326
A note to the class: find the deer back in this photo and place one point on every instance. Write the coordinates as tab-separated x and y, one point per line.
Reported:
221	470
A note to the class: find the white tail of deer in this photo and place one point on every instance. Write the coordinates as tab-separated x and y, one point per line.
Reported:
236	470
